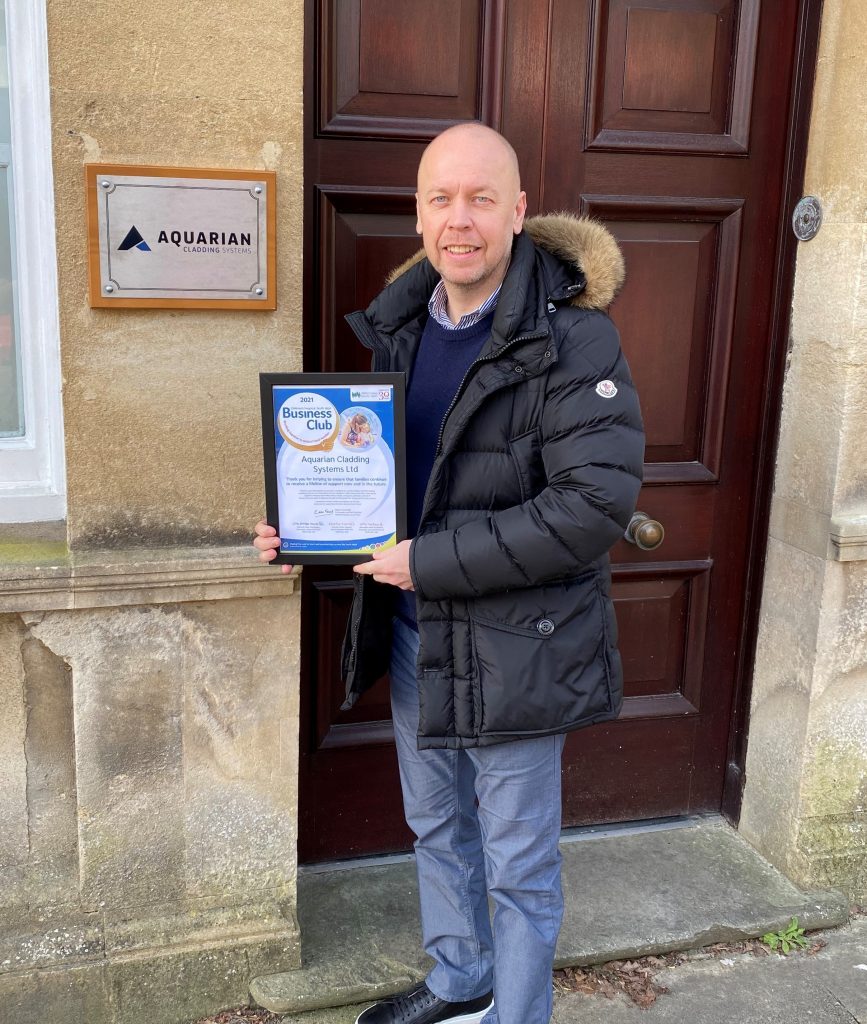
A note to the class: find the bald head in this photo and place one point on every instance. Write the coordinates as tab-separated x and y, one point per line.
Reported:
473	140
470	206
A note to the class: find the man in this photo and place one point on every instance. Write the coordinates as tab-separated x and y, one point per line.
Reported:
525	453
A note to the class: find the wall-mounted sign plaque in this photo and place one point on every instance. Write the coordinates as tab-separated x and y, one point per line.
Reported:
186	237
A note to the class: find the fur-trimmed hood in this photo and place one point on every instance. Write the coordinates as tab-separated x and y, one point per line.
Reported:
579	241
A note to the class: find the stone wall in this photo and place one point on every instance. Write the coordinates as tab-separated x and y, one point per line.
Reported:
149	664
161	406
805	801
148	785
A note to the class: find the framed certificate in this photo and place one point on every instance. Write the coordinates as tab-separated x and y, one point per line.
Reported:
335	470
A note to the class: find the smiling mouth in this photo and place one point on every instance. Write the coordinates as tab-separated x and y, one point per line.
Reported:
461	250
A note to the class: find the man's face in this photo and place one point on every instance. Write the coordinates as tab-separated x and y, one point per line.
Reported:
469	206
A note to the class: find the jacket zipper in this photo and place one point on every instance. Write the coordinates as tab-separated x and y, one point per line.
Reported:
353	651
472	366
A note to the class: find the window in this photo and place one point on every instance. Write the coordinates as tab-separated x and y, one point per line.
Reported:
31	430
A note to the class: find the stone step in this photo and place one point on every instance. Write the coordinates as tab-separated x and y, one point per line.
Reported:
630	891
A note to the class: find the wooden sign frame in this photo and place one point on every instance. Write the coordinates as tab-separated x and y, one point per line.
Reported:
99	299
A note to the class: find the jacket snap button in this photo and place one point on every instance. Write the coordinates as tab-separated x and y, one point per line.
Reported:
545	627
519	369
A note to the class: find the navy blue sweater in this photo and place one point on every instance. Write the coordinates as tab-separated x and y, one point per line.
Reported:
442	360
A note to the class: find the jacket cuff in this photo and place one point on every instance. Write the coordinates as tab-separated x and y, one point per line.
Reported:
413	570
435	568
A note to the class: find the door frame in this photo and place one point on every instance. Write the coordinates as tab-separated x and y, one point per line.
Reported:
798	130
800	95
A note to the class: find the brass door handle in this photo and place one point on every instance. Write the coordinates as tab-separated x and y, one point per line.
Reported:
644	532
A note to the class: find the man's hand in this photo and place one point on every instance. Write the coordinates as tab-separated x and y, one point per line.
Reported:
390	565
266	542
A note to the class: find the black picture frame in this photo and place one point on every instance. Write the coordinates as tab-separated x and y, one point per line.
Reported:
310	381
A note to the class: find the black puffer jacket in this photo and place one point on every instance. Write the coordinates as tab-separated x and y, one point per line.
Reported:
537	475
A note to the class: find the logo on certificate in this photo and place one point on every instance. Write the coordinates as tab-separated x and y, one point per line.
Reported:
308	421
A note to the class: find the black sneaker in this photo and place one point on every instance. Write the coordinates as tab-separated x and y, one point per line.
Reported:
420	1006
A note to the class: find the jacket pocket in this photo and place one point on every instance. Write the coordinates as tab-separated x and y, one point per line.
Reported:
526	451
541	657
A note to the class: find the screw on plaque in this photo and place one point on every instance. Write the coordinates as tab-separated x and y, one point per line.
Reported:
807	218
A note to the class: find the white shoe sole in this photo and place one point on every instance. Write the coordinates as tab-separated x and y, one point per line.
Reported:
470	1018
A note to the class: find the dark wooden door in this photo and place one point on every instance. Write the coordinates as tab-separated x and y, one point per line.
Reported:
667	120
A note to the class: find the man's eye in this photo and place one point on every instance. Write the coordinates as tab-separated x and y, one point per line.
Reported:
439	200
482	199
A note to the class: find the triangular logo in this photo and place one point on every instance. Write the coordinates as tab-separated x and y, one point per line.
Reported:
134	240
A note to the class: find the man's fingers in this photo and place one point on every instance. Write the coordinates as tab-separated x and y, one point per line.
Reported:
263	543
266	543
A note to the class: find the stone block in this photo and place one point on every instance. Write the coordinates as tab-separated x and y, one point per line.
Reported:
203	924
773	764
800	527
76	995
49	745
240	726
825	303
245	40
850	488
788	629
841	644
837	155
812	416
14	837
47	938
129	749
177	987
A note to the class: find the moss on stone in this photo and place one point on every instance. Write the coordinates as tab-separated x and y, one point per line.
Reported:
34	553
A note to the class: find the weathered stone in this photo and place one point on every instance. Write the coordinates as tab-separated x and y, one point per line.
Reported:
788	629
806	766
73	995
205	923
52	937
14	837
177	987
129	749
147	389
134	576
49	746
241	715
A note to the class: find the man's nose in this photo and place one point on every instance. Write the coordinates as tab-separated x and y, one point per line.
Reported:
459	214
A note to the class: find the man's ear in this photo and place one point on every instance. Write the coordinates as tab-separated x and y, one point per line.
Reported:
520	211
417	216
